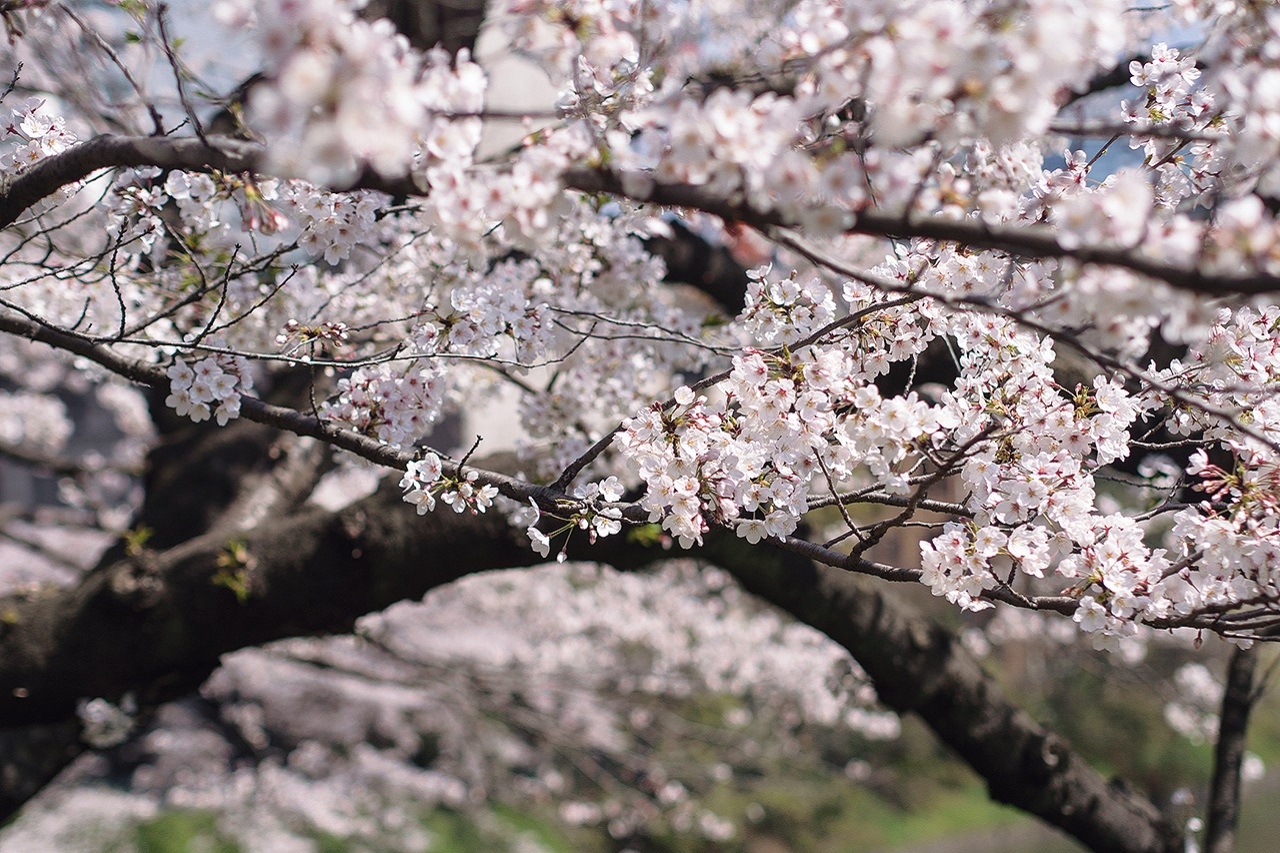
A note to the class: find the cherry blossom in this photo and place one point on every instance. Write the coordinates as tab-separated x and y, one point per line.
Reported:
904	288
951	317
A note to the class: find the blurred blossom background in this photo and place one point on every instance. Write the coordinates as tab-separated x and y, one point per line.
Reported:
571	707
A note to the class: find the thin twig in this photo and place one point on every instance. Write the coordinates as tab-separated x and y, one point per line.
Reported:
178	76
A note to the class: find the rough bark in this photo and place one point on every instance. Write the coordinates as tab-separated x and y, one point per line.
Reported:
156	625
30	756
1233	723
157	622
918	667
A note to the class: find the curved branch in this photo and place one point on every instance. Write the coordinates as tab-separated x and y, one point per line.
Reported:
260	411
218	153
233	155
157	622
106	152
918	667
1033	241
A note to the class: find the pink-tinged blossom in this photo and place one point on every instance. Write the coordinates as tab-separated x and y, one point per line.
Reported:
495	276
209	388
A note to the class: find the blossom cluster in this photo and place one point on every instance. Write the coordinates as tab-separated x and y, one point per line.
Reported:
103	724
332	224
483	310
860	369
393	403
1245	87
1168	79
343	93
785	424
1193	713
593	514
977	81
34	135
331	333
136	211
525	199
1032	485
788	426
1228	542
210	387
193	194
784	310
1116	213
424	480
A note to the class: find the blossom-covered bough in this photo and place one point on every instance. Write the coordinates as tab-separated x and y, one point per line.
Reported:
1064	373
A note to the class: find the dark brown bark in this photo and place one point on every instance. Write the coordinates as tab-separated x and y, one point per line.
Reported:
232	155
155	624
711	269
30	756
1030	241
918	667
187	153
1228	756
452	24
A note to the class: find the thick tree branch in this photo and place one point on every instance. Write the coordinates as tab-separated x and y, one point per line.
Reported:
245	473
1228	755
917	667
156	623
1032	241
711	269
1036	241
219	153
106	152
426	23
